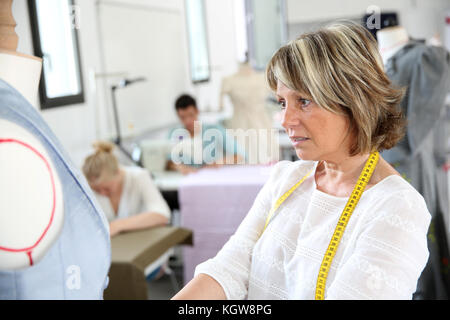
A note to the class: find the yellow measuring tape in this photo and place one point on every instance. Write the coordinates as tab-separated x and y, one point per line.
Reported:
284	197
363	179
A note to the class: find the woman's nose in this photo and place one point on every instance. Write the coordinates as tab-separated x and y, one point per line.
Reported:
290	117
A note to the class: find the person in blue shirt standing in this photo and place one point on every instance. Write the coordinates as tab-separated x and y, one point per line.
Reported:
198	145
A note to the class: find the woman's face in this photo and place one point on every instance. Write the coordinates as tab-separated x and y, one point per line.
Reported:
316	133
106	185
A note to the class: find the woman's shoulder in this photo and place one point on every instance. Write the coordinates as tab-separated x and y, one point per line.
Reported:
136	173
394	186
394	196
390	186
133	170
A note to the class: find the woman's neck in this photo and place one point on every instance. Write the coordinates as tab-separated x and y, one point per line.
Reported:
337	176
345	168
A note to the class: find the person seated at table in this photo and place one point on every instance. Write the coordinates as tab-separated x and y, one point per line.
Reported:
203	145
128	196
341	223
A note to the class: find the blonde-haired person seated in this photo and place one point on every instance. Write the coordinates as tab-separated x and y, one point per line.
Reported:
339	107
128	196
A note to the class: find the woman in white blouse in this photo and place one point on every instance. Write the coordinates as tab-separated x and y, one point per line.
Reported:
127	195
339	109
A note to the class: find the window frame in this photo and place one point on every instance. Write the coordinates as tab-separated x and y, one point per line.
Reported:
47	102
190	45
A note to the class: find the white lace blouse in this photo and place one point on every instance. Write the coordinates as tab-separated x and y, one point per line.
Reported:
381	255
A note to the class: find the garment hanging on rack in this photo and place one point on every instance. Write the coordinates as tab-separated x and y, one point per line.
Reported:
425	71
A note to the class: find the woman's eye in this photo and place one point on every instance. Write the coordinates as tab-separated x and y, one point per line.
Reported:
304	102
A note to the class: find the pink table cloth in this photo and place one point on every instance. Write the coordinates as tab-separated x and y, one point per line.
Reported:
213	202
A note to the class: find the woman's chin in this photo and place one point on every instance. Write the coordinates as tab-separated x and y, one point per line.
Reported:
303	155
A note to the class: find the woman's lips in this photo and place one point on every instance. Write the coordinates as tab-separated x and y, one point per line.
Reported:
296	141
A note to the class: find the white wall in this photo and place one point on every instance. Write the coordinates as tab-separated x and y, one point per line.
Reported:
143	41
422	18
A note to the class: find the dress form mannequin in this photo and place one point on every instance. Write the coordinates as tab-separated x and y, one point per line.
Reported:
20	70
246	101
248	92
54	239
31	201
245	69
391	40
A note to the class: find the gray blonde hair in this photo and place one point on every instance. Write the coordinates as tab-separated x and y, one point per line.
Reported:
103	161
339	67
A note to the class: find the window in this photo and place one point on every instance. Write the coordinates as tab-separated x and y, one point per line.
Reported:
198	44
240	26
54	26
266	30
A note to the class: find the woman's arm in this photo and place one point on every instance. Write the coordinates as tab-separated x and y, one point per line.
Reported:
140	221
226	276
202	287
